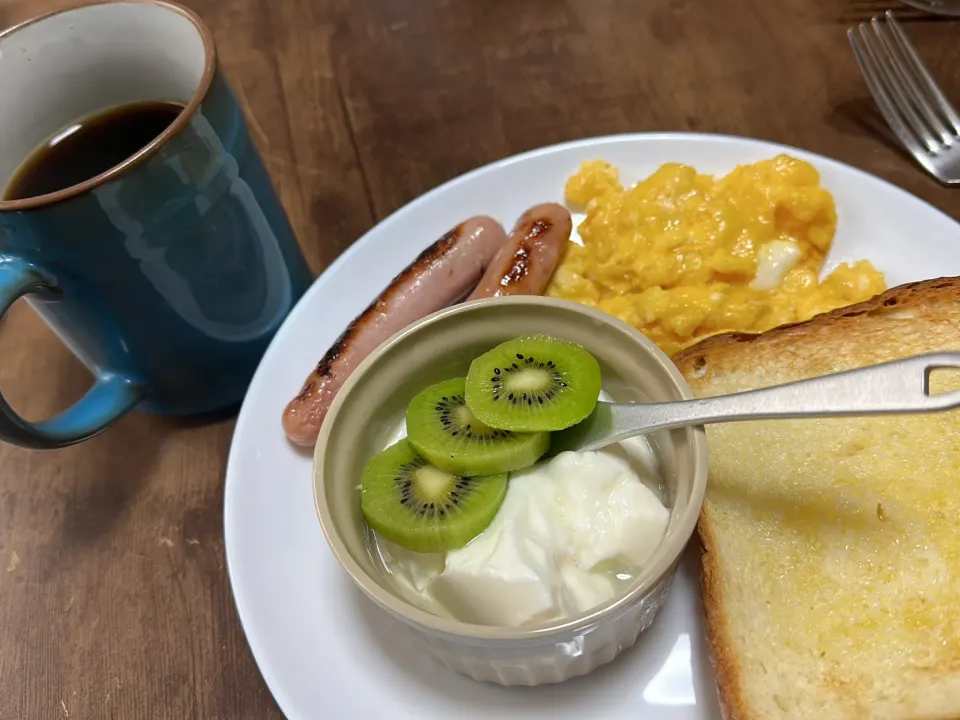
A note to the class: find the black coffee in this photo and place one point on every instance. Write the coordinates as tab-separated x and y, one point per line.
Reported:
89	147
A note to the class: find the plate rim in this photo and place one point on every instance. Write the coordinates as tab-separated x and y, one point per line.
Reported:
242	419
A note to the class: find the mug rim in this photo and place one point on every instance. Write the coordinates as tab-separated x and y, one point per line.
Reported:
472	633
151	148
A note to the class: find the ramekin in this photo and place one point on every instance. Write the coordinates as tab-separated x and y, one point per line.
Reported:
368	410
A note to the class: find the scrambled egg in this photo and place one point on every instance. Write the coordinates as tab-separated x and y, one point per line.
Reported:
681	255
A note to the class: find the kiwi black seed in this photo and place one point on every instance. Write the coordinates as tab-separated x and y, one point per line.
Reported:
532	384
420	507
444	431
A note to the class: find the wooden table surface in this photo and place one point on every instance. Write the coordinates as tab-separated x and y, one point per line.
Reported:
114	597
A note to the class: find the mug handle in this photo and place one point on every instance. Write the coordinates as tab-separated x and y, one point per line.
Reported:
110	397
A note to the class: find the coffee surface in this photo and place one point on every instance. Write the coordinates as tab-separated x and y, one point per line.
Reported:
90	146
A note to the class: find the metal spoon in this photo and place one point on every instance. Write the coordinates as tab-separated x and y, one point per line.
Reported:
897	387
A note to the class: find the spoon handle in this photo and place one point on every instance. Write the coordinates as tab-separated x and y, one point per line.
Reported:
900	386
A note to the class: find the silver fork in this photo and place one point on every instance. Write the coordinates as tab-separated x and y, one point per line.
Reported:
914	107
950	8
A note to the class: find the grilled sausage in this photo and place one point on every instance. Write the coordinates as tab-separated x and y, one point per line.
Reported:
525	263
440	276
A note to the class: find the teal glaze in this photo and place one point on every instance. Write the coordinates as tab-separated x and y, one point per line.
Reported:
168	282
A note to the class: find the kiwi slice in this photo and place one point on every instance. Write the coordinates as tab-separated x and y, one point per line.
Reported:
422	508
442	429
533	384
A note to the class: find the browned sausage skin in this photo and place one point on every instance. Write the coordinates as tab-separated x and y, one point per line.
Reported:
441	275
531	254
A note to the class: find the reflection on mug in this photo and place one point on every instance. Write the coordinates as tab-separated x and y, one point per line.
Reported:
209	252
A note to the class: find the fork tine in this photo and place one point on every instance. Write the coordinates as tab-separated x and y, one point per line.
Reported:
908	85
885	96
895	89
926	79
887	108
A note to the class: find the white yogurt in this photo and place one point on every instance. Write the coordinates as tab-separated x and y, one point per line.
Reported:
571	532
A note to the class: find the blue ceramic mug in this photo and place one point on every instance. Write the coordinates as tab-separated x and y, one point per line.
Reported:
168	274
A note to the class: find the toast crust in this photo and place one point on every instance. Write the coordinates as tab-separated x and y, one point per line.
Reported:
937	300
732	703
726	352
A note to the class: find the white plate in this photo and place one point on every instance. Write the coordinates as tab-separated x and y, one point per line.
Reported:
326	651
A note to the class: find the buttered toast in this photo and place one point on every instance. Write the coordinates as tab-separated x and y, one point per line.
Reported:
831	566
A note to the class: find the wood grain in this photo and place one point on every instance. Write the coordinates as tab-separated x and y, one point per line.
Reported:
114	599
